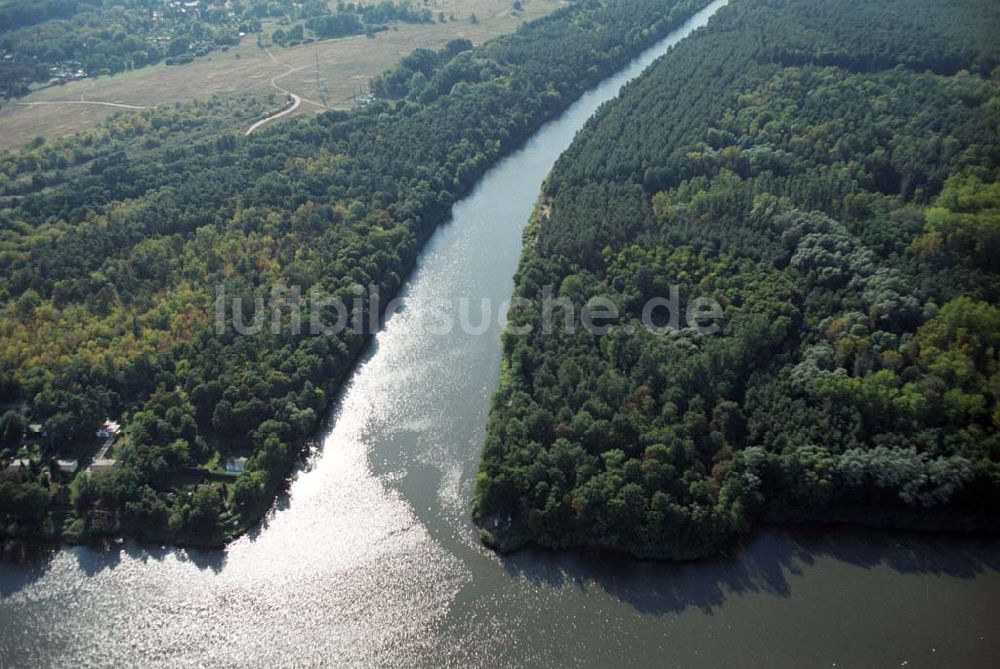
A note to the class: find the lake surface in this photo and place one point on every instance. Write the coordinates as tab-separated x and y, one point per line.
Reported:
372	559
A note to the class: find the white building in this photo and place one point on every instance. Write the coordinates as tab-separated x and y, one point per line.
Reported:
236	465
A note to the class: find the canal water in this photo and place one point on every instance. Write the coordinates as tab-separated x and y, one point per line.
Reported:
372	560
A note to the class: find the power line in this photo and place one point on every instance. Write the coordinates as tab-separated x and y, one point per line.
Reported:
321	89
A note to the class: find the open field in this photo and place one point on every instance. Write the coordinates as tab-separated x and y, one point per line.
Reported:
345	65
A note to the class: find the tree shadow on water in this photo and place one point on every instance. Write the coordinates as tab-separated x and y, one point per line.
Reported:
762	565
23	563
93	559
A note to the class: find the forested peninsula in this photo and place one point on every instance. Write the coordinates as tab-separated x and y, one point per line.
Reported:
827	171
113	244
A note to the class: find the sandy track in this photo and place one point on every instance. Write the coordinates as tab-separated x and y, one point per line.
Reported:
81	102
297	100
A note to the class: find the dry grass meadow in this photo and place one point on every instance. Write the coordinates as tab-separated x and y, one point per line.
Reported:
344	65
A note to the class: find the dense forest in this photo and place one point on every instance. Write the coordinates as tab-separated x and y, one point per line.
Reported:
828	171
61	40
113	243
351	19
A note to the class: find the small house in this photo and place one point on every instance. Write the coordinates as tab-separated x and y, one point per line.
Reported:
236	465
102	465
16	467
109	430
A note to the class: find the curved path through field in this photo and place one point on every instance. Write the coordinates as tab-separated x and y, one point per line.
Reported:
81	102
297	100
